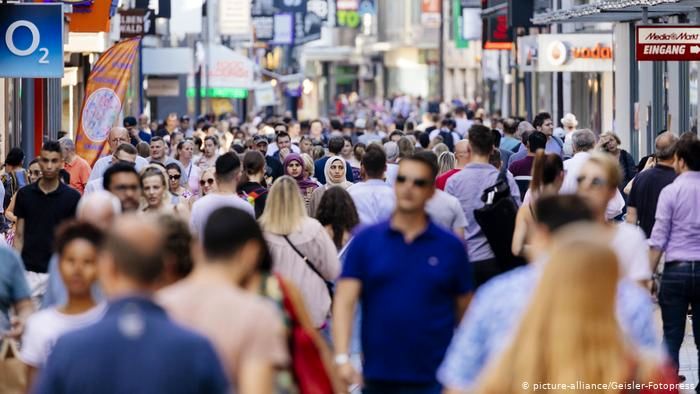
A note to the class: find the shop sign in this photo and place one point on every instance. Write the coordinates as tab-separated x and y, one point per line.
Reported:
527	53
137	22
349	13
430	13
32	41
229	69
163	87
668	43
234	18
575	52
497	33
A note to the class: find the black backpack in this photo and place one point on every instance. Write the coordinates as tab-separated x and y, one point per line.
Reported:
448	139
497	221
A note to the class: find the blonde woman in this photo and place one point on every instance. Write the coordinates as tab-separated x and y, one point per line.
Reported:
301	249
446	162
155	195
335	170
570	332
597	181
207	182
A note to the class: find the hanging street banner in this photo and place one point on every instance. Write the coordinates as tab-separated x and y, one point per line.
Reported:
668	43
104	95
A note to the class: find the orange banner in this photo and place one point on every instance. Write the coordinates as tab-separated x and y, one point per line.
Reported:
104	95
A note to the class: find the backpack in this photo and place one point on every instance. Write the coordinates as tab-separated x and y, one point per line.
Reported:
448	139
497	221
13	181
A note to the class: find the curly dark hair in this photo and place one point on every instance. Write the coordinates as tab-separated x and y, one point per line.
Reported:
178	243
71	230
338	211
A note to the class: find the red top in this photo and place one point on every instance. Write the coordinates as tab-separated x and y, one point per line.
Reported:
441	181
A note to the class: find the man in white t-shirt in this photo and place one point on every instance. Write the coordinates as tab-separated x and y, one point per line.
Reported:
227	175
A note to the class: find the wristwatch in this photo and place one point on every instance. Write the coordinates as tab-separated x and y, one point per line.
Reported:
342	358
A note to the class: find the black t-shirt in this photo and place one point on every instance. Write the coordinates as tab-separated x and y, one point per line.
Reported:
645	194
42	213
273	167
256	192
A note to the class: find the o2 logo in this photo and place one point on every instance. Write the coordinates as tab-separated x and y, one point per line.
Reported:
33	46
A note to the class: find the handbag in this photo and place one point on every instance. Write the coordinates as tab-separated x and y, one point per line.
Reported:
13	372
307	365
497	221
329	284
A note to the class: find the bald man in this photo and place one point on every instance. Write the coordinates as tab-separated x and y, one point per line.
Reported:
99	209
647	185
117	136
462	160
140	345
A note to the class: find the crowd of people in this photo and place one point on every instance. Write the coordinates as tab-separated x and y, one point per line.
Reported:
384	251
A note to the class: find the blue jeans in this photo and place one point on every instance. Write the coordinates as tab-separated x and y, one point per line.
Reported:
381	387
680	288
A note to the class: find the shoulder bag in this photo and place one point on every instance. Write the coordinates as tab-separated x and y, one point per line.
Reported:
329	285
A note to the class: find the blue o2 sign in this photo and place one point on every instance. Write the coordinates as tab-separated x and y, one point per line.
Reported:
31	40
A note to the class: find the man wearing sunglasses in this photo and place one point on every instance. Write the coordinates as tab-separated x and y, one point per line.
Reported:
413	281
583	142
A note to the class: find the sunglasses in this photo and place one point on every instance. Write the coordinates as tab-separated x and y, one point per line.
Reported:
418	182
174	177
595	181
203	182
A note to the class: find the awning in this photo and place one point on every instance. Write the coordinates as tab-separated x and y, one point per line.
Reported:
616	11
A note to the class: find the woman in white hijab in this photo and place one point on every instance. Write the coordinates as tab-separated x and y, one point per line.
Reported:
335	170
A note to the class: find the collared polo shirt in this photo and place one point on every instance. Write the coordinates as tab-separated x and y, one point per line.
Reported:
79	171
42	213
645	192
135	348
408	299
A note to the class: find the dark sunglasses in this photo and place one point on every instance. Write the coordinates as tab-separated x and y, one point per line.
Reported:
418	182
203	182
174	177
127	162
595	181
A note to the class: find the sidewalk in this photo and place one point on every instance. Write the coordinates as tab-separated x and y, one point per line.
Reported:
689	358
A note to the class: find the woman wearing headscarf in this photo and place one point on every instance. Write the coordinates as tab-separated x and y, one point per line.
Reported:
294	167
335	170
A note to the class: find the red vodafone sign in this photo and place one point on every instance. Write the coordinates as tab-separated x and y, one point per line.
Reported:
668	43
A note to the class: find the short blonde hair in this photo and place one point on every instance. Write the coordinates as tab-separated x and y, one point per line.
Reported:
284	208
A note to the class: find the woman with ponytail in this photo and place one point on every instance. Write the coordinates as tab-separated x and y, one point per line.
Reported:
547	178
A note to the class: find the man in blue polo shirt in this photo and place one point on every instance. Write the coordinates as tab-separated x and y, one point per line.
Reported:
135	347
413	281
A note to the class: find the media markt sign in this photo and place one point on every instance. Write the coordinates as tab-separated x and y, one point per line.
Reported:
668	43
